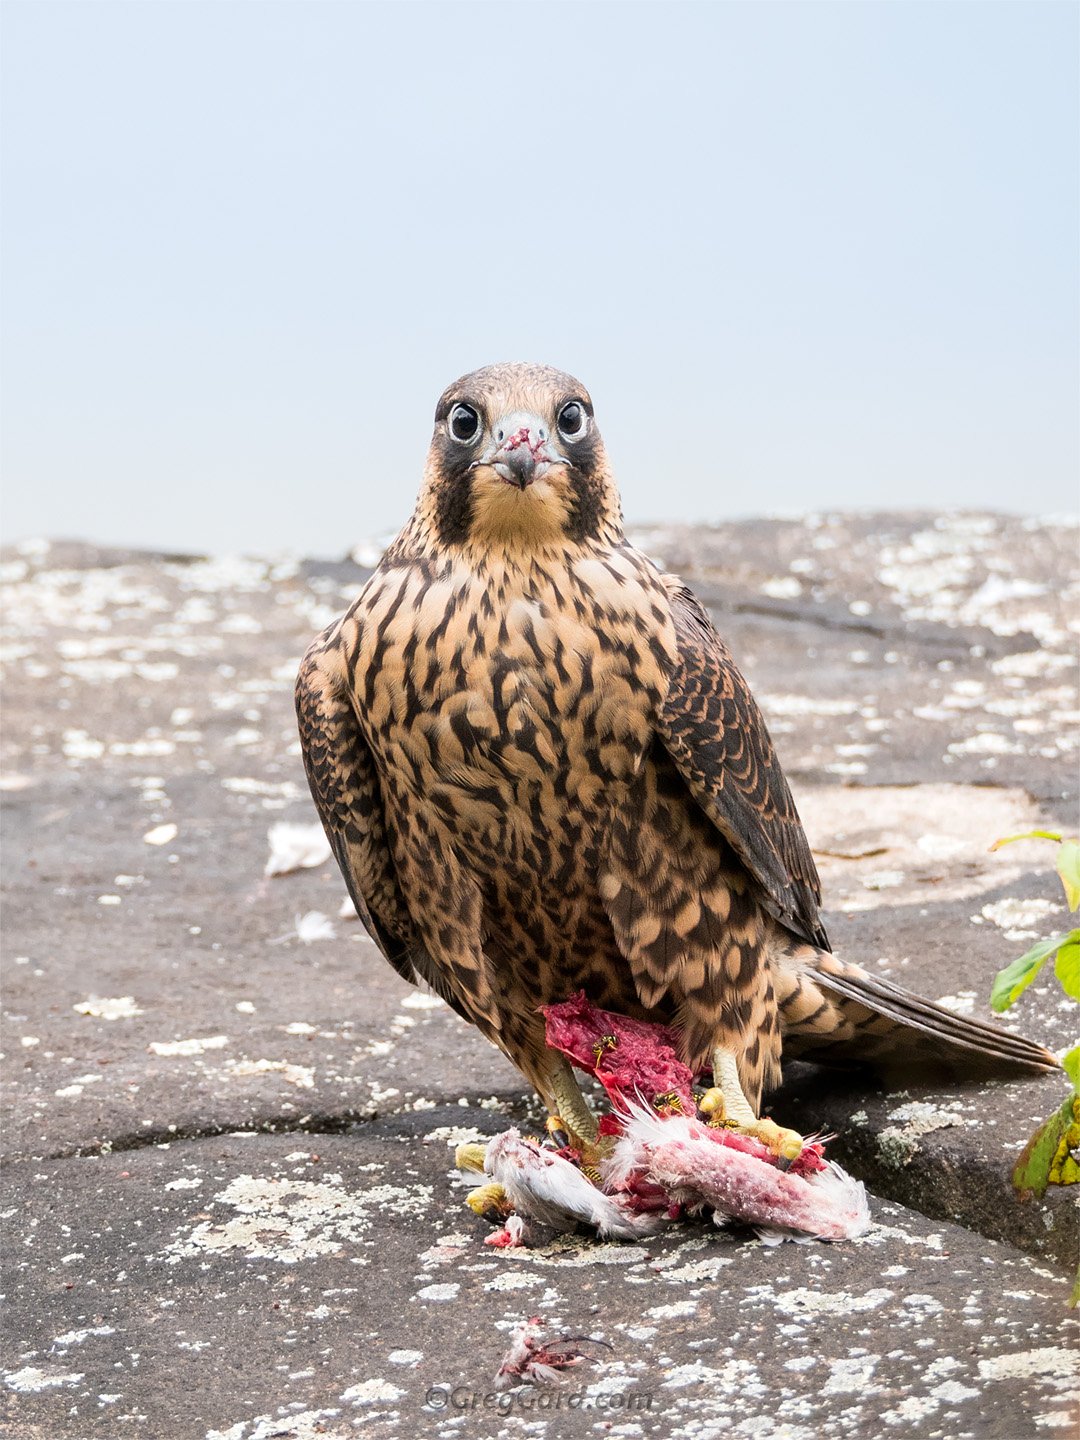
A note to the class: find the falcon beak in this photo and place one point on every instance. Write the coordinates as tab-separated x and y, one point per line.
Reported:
521	451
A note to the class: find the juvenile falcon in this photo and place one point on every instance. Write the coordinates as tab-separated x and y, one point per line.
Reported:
541	772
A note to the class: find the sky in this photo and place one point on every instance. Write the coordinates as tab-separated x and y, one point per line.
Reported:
804	256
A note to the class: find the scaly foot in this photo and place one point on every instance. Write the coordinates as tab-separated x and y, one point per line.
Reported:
570	1108
725	1104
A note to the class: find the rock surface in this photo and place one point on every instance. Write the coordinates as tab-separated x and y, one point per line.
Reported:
160	996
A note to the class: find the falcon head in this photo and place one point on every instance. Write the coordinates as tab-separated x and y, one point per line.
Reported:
516	459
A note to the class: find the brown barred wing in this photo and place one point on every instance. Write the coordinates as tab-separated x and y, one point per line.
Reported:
715	733
345	787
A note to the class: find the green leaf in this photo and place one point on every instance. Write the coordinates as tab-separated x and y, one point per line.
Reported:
1010	983
1071	1065
1068	867
1032	1170
1074	1298
1027	835
1067	966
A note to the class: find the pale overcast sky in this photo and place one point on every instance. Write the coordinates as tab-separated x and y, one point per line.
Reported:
804	256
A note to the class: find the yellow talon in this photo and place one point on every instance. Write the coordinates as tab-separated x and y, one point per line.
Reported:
490	1202
712	1106
558	1130
784	1144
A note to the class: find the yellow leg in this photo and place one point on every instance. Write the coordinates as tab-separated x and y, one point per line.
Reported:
570	1103
726	1104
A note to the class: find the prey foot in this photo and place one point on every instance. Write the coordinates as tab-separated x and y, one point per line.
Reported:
490	1202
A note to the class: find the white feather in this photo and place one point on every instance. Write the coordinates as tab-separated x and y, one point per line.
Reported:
679	1154
548	1188
295	847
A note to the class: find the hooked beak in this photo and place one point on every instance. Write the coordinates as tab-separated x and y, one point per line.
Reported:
521	451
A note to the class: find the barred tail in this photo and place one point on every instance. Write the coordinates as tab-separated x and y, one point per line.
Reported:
835	1013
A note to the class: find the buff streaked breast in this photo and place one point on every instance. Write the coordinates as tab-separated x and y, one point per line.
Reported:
541	771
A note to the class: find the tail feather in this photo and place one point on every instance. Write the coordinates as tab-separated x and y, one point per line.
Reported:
835	1013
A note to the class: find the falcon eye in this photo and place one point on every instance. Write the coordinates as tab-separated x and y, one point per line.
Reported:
572	420
464	424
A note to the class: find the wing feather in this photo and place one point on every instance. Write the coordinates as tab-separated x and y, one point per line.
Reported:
713	730
344	784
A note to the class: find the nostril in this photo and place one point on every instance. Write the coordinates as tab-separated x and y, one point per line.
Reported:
500	435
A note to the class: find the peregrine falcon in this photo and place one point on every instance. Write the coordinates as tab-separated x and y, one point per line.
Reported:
542	773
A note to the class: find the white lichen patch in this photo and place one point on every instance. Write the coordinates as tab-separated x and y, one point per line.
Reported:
31	1379
571	1252
951	1392
698	1270
962	1003
1021	919
986	742
405	1357
806	705
195	1046
804	1303
121	1007
370	1391
734	1375
291	1220
446	1290
79	1084
1050	1362
296	1424
680	1310
850	1376
302	1076
77	1337
898	1143
514	1280
784	587
455	1135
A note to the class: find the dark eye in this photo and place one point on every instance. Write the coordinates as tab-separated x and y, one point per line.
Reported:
572	420
464	423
